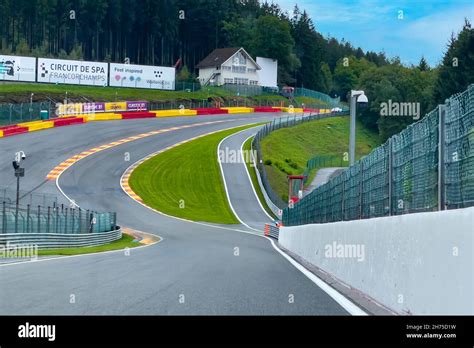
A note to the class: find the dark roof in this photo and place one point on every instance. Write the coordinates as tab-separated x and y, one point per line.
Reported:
217	57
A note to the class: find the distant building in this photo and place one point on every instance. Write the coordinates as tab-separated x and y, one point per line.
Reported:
228	66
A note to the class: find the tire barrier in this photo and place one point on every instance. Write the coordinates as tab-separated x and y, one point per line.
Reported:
58	240
272	231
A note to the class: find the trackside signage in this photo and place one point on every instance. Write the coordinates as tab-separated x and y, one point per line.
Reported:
72	72
16	68
142	76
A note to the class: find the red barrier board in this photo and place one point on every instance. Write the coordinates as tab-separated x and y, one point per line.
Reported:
134	115
265	109
59	122
210	111
14	130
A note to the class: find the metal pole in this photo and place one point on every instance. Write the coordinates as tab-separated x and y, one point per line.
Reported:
441	162
17	202
390	170
352	135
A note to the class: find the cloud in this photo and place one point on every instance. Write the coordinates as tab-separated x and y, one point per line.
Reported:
373	25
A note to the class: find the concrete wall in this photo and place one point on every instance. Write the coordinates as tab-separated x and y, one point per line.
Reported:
418	263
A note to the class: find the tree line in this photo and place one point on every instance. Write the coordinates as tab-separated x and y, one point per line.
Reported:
163	32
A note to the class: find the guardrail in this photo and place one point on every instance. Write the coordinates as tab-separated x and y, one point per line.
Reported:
428	166
57	240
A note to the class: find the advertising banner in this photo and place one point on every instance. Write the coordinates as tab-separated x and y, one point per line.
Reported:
142	76
72	72
16	68
118	106
137	106
90	108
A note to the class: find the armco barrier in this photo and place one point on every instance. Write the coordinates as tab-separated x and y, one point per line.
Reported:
57	240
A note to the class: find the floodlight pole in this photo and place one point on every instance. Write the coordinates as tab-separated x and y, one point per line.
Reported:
352	131
352	135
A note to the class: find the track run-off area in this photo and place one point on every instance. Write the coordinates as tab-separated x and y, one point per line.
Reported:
196	268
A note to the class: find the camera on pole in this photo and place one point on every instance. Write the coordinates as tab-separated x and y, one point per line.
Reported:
19	173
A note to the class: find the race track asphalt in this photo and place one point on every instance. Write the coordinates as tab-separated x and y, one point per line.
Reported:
196	268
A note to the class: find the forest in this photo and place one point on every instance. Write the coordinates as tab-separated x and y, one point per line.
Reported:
166	32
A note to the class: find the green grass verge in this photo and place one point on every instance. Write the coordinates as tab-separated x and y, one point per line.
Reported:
186	181
253	176
125	242
18	91
296	145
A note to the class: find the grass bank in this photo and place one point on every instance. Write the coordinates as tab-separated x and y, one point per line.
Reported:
286	151
186	181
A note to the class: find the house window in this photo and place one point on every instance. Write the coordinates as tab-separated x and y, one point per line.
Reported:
241	81
252	71
253	82
228	81
239	69
226	68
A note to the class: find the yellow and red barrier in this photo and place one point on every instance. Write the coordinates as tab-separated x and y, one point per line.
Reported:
104	116
238	110
67	120
174	113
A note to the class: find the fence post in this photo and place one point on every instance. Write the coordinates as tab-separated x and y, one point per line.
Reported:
48	220
38	219
28	218
441	148
361	182
342	199
390	176
4	219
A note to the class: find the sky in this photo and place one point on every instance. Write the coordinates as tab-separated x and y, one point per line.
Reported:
409	29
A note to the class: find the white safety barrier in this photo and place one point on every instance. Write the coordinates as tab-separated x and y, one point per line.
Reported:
414	264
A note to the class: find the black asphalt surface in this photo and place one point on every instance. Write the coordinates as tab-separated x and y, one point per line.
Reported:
195	269
244	202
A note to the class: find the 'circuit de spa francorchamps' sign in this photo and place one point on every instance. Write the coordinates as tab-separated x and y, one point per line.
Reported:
72	72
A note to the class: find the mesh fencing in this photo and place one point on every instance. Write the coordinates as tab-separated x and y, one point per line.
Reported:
17	113
304	92
459	150
416	170
55	219
278	123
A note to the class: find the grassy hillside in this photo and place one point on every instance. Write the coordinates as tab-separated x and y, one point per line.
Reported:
287	150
